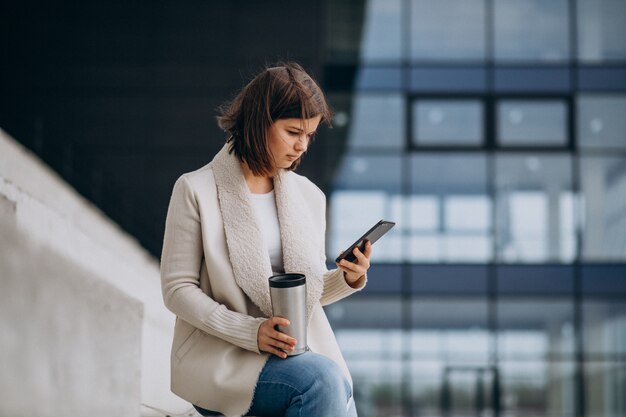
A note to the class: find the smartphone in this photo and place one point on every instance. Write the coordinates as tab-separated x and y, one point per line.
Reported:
372	235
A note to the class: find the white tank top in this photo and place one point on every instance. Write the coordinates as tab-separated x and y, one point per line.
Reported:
267	216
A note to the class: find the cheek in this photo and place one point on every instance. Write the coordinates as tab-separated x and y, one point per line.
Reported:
277	146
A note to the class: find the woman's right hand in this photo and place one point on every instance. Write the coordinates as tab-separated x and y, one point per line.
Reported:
273	341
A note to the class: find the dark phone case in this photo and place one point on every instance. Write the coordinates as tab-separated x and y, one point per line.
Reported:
372	235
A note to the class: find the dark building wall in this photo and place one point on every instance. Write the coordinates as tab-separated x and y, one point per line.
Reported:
120	97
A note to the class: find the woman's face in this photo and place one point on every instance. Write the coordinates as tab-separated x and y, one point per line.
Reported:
289	138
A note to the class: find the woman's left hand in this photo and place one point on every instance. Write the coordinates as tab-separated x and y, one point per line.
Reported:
353	271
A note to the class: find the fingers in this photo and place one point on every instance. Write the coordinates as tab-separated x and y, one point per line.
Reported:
350	266
360	256
279	321
368	249
273	341
270	331
360	266
354	270
274	351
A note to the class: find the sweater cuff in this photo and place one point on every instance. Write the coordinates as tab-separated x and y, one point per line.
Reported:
336	287
236	328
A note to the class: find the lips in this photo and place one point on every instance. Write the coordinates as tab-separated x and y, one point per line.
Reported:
293	157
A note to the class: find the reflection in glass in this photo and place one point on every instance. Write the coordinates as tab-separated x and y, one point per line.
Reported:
378	121
532	122
378	316
447	122
453	330
370	173
449	209
605	385
372	342
426	383
531	30
469	213
602	121
441	389
468	391
603	183
382	31
378	386
349	221
601	30
450	30
535	329
448	335
604	327
366	189
424	213
538	388
534	208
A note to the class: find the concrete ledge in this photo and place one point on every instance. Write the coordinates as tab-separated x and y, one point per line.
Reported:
51	214
70	341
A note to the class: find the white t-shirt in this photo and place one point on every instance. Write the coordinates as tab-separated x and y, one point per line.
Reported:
267	215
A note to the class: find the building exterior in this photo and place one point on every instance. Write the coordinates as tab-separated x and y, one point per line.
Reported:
493	133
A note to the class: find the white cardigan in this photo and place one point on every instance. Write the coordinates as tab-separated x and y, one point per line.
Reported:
214	271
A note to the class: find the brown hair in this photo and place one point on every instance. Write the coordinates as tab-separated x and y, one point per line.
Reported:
280	91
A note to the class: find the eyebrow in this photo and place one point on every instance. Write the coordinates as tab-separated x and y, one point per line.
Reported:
301	130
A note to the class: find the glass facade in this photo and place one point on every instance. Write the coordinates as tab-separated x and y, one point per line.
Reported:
492	133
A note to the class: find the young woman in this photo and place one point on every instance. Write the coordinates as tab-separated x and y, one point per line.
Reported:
231	225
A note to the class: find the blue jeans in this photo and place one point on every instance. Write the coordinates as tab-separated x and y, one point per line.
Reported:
306	385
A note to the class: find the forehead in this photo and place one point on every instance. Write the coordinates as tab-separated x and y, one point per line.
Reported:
307	124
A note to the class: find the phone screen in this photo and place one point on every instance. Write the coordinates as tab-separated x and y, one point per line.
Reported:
375	233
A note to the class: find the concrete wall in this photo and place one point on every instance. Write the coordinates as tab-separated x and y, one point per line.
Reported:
83	329
71	342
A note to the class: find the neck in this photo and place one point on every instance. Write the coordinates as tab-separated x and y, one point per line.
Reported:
257	184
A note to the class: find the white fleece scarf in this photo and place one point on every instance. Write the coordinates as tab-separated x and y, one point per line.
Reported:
248	255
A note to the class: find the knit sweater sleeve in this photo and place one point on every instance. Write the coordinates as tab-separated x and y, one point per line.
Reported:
181	260
335	285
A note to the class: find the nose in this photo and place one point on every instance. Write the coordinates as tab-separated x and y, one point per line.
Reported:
302	143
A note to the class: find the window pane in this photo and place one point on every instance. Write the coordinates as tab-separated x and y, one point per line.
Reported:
534	208
448	30
452	329
378	121
365	190
605	385
538	388
449	195
531	30
531	329
532	123
439	122
601	30
372	343
382	31
426	382
378	386
470	213
604	327
602	122
441	389
603	183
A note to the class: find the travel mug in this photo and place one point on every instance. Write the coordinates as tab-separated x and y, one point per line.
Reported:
288	295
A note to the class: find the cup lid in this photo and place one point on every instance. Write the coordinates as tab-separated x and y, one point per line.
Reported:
287	280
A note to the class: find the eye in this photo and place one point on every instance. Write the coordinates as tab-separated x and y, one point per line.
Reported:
294	133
